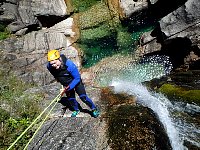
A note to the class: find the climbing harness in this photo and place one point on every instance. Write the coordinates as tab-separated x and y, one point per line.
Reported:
55	100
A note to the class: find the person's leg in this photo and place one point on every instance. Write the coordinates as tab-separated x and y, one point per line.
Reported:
72	100
80	90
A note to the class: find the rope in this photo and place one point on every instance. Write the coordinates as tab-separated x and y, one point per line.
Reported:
19	137
41	140
41	124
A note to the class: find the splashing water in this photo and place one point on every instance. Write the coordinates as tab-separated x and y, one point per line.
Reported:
147	69
129	80
157	102
187	124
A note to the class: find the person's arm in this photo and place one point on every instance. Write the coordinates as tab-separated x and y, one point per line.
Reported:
72	68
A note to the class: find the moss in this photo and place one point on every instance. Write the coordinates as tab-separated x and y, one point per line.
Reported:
124	40
4	33
69	6
176	92
83	5
96	15
4	115
95	33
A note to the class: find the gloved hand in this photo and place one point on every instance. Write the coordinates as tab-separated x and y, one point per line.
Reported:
64	89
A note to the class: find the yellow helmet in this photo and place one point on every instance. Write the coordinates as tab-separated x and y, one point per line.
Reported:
53	55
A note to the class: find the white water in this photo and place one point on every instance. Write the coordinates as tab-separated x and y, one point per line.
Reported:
158	103
129	80
152	67
188	126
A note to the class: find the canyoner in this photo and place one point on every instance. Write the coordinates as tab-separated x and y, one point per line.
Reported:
67	74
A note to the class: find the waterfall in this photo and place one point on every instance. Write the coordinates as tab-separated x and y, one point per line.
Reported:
129	78
158	103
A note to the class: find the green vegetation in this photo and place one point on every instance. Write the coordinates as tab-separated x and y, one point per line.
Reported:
176	92
17	110
96	15
83	5
96	33
103	34
124	41
3	32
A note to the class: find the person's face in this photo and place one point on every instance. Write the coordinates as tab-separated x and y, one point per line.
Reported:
56	63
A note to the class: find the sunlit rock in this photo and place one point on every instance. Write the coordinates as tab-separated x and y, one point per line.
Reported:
32	49
130	6
33	13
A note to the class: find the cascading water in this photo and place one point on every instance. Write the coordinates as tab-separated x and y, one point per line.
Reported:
158	103
129	80
186	122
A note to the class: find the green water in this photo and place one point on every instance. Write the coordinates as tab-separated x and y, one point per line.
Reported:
138	32
109	37
94	51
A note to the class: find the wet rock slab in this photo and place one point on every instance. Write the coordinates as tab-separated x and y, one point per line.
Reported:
121	125
71	133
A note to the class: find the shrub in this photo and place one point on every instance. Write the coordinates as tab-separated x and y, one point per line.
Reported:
17	110
4	33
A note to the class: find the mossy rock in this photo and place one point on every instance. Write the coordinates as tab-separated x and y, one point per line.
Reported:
116	99
176	92
96	33
132	126
95	16
97	22
135	127
188	79
84	5
124	39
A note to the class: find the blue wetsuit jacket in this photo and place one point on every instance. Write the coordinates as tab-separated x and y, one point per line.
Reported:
67	74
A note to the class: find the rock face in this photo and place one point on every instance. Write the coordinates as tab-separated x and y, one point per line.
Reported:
30	13
27	55
183	17
176	35
121	125
130	6
71	134
9	11
128	126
